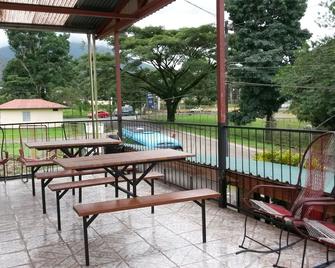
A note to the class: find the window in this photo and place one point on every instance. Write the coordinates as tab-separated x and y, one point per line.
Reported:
55	110
26	116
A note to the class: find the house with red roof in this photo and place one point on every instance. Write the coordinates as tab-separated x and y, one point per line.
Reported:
30	110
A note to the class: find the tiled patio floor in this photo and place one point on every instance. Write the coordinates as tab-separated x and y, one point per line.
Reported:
169	238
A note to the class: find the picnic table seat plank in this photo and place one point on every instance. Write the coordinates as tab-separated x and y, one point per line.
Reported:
67	173
144	201
98	181
38	162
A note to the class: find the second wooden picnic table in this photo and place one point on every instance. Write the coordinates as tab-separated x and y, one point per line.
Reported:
73	148
112	163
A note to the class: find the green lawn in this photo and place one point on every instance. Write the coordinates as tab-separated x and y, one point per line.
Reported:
211	118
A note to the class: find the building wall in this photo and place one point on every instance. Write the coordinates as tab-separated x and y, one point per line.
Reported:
36	115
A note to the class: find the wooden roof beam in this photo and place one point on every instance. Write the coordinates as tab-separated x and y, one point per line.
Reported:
144	11
118	8
65	10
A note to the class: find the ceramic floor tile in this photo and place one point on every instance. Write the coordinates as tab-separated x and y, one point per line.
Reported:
11	246
151	261
14	259
187	255
172	237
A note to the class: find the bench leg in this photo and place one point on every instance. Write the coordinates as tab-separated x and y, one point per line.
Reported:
203	213
128	189
73	190
33	181
106	177
116	187
33	172
152	193
58	211
44	183
80	198
85	225
59	196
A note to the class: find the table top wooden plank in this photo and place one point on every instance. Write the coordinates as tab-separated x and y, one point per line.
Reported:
75	143
122	159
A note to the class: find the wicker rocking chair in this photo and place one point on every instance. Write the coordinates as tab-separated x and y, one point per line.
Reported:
315	168
319	230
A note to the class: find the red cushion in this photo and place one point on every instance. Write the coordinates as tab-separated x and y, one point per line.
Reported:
281	210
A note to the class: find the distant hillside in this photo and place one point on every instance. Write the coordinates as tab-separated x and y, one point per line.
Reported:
77	49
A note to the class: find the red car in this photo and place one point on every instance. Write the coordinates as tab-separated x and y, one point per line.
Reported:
101	114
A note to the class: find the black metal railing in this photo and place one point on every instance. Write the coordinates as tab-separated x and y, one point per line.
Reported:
268	153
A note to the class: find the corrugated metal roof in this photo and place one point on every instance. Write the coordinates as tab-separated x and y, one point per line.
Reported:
87	16
29	17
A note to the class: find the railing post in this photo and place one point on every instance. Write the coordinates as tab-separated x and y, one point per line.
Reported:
222	101
222	147
118	81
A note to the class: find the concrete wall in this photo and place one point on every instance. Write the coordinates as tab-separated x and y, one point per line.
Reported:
36	115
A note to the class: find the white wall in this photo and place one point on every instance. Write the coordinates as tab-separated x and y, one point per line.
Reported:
36	115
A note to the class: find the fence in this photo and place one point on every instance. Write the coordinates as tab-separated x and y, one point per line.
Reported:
268	153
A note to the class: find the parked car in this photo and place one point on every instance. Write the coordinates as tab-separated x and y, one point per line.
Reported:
101	114
196	110
150	138
126	110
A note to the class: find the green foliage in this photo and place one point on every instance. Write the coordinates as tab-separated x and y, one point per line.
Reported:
105	76
41	63
285	157
327	17
266	34
180	60
310	84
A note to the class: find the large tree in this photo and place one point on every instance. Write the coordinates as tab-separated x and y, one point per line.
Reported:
42	63
132	92
266	34
173	54
310	84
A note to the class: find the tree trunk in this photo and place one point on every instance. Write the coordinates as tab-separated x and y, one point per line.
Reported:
269	123
171	107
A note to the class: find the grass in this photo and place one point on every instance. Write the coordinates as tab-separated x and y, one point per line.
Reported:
211	118
253	138
75	113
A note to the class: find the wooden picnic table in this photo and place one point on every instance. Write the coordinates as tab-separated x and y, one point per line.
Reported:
72	148
112	163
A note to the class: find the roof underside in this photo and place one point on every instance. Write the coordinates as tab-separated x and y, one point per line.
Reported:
99	17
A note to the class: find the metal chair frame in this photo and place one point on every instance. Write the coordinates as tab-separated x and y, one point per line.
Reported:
281	222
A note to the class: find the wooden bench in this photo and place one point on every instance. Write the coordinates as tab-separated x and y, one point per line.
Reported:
62	188
35	165
47	177
90	211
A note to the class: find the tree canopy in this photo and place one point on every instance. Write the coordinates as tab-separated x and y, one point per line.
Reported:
42	62
310	84
266	34
171	53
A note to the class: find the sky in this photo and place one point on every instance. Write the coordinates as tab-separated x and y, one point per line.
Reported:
182	14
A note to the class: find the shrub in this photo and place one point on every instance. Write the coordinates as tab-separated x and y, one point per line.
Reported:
281	157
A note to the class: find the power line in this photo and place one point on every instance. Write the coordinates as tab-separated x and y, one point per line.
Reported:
201	8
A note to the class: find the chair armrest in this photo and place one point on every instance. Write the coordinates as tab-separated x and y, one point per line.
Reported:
263	186
320	203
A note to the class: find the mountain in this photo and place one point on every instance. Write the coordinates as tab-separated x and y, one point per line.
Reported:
77	49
